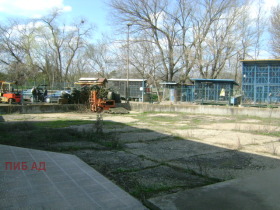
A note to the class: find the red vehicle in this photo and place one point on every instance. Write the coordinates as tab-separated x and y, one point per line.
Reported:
7	93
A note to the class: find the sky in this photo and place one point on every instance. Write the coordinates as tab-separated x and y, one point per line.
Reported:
95	11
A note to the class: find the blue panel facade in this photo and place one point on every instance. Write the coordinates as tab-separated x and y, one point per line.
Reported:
261	81
208	90
213	90
187	93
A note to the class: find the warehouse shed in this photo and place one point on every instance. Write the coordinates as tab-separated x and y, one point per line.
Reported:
261	81
136	87
213	90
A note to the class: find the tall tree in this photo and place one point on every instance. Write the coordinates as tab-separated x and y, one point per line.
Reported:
17	39
63	44
29	48
275	31
189	36
151	19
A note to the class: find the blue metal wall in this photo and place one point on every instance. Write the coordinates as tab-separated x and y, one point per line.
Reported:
208	90
261	81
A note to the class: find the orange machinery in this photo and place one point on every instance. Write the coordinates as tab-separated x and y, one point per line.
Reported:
99	104
7	94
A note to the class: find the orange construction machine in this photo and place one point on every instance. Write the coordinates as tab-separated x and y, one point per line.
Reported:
98	96
99	104
7	93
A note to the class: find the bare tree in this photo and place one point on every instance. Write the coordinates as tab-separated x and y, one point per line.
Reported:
100	57
275	31
215	30
16	44
190	36
32	48
152	19
146	62
63	44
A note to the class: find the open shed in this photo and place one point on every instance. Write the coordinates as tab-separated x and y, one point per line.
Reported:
170	91
136	87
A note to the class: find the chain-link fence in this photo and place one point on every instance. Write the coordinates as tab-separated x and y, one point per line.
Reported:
199	94
43	84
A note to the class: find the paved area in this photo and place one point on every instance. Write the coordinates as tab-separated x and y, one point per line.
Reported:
258	192
66	183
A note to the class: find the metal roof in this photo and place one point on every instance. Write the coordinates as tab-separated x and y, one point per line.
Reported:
263	61
131	80
88	79
91	81
260	60
168	83
216	80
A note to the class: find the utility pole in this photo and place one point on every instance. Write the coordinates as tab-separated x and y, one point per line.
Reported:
127	73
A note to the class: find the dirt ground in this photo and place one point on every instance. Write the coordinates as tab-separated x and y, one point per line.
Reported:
161	153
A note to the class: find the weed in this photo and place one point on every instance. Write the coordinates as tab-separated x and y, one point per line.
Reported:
238	144
237	127
254	142
18	126
141	156
99	124
143	192
125	170
273	149
203	170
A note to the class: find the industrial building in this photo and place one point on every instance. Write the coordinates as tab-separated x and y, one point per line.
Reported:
261	81
136	88
200	91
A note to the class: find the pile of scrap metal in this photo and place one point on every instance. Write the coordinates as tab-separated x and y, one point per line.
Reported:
100	98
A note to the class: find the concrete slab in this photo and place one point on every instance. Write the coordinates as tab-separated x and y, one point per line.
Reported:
165	151
66	183
260	191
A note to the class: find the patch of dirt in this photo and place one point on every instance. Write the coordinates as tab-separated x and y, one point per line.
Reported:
241	127
160	157
140	136
250	121
224	138
171	149
270	148
163	115
119	118
49	116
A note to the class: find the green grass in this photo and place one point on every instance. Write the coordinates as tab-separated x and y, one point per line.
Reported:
143	192
270	133
41	135
63	123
